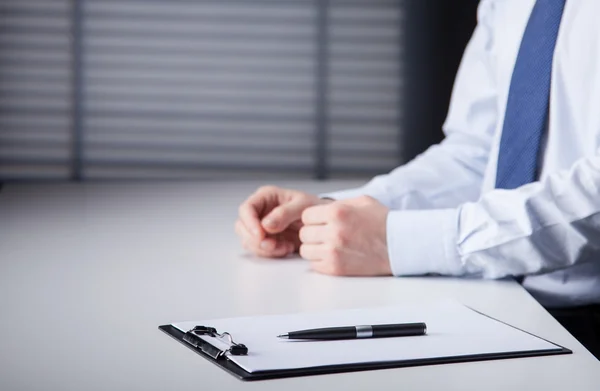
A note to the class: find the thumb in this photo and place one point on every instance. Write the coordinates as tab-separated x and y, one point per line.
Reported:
282	216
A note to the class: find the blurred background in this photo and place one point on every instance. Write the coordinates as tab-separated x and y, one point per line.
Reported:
230	89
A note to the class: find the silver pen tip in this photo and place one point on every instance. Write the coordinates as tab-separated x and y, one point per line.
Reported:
283	336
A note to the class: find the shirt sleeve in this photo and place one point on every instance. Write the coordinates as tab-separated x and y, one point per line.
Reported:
540	227
425	182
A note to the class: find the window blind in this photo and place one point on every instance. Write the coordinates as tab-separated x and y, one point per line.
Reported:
35	89
200	88
364	86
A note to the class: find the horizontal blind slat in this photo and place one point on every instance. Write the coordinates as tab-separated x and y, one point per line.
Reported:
200	87
364	100
34	89
222	84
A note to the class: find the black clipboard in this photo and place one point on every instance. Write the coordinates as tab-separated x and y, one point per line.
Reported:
217	357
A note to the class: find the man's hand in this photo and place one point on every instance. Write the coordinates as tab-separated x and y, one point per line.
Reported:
269	220
346	238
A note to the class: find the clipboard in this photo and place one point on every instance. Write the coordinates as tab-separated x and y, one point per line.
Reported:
222	356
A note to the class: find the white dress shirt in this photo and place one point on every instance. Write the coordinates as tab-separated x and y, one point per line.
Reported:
447	218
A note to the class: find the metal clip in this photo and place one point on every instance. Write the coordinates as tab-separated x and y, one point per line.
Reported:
192	337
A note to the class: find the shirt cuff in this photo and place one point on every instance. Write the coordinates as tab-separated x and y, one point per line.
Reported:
423	241
352	193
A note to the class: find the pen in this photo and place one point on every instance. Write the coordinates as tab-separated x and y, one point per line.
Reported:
353	332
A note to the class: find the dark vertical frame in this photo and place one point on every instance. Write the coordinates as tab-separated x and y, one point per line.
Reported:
436	33
401	130
76	90
422	120
321	170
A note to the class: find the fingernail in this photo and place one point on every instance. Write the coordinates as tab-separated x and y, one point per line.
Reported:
255	232
269	223
265	245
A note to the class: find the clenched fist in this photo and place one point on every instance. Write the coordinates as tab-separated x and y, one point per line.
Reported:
346	238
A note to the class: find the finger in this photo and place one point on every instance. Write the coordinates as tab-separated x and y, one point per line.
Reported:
283	216
312	234
245	237
274	248
249	214
249	241
311	252
316	214
241	230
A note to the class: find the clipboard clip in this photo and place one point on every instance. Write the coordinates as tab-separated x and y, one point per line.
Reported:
193	338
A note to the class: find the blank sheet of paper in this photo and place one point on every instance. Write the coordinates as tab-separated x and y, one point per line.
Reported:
453	330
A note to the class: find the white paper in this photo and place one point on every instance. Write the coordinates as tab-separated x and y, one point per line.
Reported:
452	330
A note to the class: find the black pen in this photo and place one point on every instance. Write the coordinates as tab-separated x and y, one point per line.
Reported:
353	332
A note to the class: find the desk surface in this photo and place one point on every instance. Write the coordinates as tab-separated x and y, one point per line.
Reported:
89	271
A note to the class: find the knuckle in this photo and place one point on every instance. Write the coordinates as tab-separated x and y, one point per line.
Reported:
246	210
340	212
266	189
306	199
340	239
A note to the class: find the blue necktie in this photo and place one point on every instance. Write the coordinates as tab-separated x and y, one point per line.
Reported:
528	98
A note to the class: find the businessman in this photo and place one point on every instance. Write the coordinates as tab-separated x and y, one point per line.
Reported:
513	190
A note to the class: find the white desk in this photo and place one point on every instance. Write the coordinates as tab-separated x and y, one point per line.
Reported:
88	272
